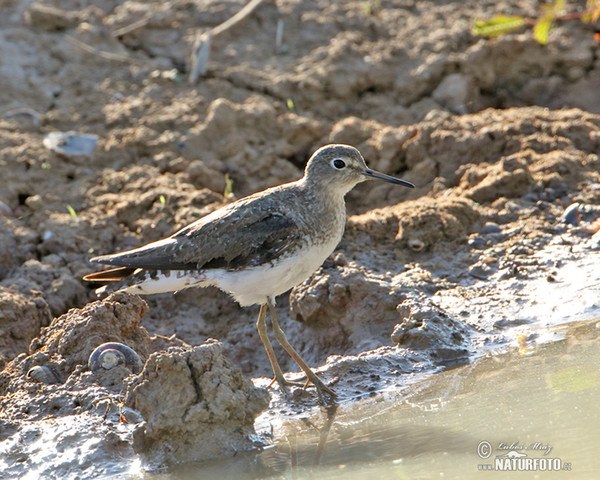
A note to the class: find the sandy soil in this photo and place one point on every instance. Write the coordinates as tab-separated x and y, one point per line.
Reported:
500	136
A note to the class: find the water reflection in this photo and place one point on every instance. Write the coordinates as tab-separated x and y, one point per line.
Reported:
542	398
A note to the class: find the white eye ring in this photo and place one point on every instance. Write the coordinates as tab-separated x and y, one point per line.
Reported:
338	164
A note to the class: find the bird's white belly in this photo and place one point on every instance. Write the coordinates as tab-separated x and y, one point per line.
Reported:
254	285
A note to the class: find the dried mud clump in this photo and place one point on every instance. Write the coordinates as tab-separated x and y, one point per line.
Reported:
11	251
72	337
430	329
146	202
509	178
348	308
230	140
195	405
21	318
62	349
418	225
192	403
435	221
53	278
51	394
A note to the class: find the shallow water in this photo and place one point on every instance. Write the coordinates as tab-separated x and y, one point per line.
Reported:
538	403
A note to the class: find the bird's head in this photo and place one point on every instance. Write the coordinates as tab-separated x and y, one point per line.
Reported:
340	167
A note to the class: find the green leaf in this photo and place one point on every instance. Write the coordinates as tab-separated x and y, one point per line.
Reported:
72	212
290	105
541	29
162	200
498	25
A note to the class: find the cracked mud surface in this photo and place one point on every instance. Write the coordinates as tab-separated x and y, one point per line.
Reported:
499	136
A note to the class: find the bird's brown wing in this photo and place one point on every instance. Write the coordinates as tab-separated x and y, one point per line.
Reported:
230	238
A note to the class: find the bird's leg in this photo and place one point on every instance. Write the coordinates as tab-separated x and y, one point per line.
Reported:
282	339
261	326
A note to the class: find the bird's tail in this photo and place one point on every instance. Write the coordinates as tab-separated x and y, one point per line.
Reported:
111	279
110	275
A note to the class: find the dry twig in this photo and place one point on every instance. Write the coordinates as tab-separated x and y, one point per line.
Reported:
115	57
201	48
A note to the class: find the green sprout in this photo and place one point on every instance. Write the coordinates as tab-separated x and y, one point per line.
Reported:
162	200
371	7
290	105
72	212
228	186
498	25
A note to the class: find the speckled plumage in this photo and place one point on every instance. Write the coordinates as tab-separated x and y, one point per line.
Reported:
255	233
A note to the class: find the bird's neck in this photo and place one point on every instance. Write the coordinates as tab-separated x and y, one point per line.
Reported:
333	191
327	200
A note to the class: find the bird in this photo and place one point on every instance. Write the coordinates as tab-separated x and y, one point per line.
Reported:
255	248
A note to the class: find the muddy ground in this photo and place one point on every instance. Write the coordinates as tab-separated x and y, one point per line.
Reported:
500	137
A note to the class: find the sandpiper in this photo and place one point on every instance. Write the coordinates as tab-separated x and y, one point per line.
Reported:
255	248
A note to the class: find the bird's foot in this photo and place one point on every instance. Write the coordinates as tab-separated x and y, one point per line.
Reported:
284	384
327	397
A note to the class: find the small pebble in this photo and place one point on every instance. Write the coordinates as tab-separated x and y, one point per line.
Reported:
480	271
71	143
340	259
477	242
571	214
531	197
490	227
415	244
5	210
34	202
595	241
42	374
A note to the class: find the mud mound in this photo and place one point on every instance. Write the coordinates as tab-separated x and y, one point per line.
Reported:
338	305
209	411
418	225
74	335
22	317
12	251
58	379
60	354
485	156
431	330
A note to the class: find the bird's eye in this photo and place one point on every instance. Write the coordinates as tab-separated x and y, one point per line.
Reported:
338	163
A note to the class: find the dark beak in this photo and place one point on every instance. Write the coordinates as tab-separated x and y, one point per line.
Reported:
382	176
